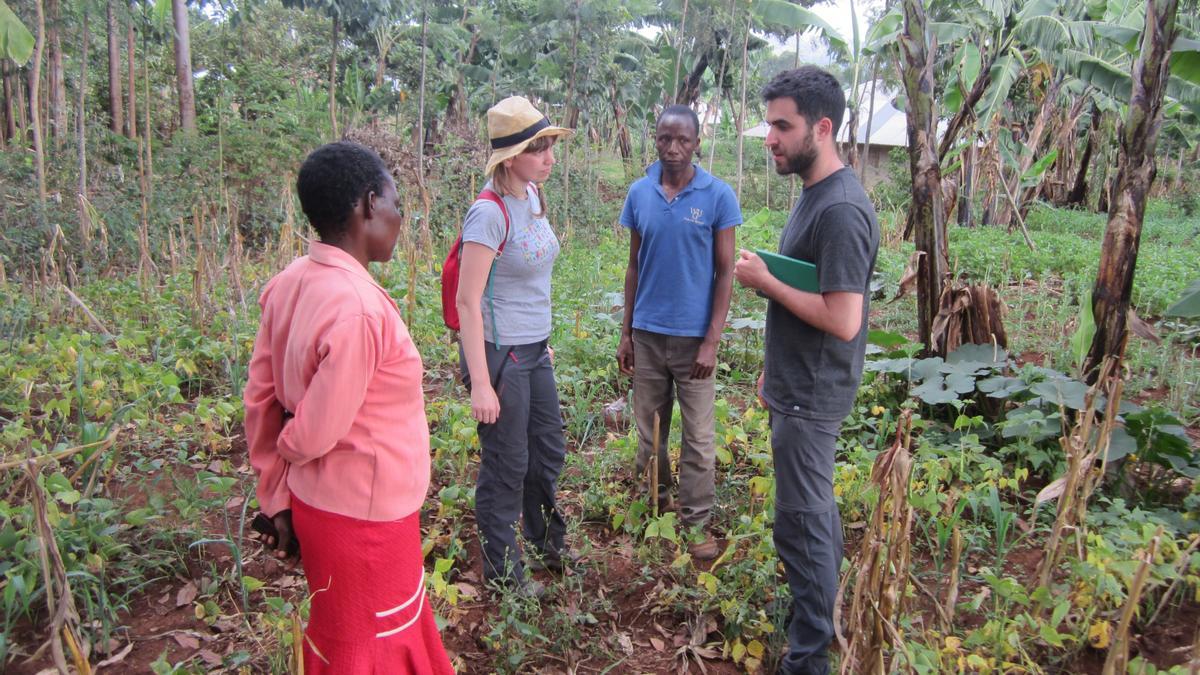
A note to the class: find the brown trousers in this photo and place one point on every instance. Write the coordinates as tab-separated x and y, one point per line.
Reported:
662	373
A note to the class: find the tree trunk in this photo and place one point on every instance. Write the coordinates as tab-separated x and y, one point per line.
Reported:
1028	154
866	156
1078	195
741	117
1135	174
58	80
679	48
426	202
183	66
116	121
22	104
385	37
85	225
147	126
35	121
689	91
852	137
1064	140
1178	183
624	142
10	112
333	50
926	214
966	195
131	130
967	109
572	118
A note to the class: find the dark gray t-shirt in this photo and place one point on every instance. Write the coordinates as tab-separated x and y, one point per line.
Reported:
809	372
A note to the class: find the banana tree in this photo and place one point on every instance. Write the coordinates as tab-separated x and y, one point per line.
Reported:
16	42
16	45
926	213
1135	173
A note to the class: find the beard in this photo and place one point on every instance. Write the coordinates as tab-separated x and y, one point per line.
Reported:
800	162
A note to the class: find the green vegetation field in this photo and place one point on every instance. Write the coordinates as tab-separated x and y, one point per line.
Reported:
1000	515
131	412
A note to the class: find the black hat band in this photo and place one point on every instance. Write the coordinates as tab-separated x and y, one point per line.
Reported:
521	136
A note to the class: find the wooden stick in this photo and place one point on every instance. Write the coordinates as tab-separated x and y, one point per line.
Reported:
61	454
45	542
652	465
1118	653
91	317
952	588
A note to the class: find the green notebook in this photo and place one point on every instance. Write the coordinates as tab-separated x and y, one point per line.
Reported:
796	273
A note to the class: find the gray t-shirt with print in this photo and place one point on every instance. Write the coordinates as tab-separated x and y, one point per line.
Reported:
521	277
808	372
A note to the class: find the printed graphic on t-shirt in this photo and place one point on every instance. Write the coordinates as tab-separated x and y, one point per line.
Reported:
537	243
697	216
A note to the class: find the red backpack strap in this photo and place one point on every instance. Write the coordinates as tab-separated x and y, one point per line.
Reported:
492	196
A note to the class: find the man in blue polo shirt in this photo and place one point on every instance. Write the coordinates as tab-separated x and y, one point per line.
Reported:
678	283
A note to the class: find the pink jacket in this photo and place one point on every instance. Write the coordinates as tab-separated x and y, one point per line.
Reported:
333	351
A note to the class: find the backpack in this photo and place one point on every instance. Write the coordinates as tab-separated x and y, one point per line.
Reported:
450	268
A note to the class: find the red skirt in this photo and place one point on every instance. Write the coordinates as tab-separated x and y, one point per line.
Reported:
368	613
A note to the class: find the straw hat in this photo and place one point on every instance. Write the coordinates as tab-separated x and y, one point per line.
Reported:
512	125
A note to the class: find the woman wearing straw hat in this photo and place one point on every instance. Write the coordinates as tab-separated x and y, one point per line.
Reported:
504	307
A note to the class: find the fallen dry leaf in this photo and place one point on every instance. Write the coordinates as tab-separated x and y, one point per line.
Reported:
115	658
186	641
626	644
211	658
186	595
466	590
658	645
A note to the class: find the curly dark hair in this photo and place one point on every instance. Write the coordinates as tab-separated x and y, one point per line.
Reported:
816	92
680	110
332	180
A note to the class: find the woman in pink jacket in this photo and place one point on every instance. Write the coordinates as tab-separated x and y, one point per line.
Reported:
335	421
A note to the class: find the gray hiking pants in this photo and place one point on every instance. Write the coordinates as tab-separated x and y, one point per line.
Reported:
808	535
523	453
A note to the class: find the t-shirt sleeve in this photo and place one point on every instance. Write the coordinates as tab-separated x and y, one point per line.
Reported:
627	219
729	212
484	224
844	249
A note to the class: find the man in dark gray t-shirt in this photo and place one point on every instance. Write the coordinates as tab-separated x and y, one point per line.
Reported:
815	343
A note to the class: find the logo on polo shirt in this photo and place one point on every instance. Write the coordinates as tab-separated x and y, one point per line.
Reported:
697	214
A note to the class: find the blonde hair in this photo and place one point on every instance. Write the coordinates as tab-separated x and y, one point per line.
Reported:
502	179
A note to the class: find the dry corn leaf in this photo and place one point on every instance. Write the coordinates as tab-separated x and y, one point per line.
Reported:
1141	328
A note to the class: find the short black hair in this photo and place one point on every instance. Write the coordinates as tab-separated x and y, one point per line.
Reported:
680	110
817	94
332	180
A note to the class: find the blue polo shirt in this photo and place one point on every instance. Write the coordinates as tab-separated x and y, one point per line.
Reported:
675	261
